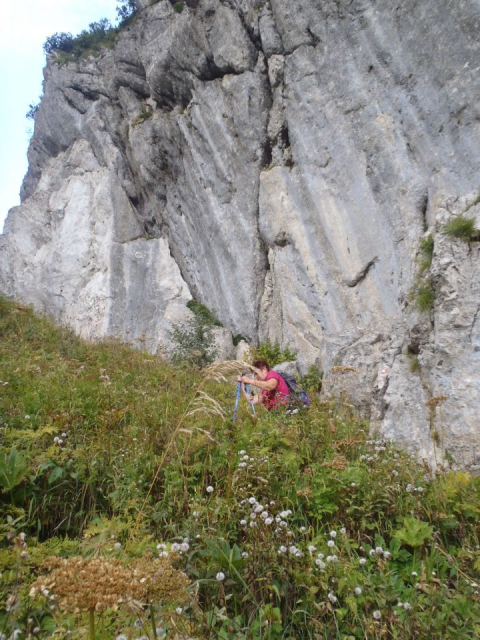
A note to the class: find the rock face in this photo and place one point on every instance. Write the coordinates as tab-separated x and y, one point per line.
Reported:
279	162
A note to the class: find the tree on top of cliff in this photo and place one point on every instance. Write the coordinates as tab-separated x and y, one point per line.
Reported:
58	42
126	11
99	34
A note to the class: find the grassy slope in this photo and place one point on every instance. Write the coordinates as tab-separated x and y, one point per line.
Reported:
108	452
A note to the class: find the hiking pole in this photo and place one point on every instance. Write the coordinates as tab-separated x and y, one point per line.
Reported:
239	389
247	389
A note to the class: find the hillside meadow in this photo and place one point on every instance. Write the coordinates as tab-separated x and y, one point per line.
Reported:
132	506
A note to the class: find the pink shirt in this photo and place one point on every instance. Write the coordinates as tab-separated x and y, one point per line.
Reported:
273	399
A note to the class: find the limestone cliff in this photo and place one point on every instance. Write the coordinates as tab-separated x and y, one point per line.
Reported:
280	162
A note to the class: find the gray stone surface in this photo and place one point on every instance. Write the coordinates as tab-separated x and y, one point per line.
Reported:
279	162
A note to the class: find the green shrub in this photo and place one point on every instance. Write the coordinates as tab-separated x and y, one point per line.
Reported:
312	380
203	313
462	227
193	342
178	7
426	252
237	338
272	353
424	296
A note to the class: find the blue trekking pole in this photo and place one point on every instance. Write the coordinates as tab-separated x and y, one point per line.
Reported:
247	389
239	389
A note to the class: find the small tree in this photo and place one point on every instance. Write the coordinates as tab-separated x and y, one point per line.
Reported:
32	110
193	342
126	11
58	42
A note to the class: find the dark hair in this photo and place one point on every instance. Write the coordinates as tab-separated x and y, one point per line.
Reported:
260	364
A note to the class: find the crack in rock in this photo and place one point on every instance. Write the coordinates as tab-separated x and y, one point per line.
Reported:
361	275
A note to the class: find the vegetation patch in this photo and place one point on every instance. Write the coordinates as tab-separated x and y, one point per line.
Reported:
272	353
203	313
427	246
423	293
145	114
463	228
130	505
425	296
101	34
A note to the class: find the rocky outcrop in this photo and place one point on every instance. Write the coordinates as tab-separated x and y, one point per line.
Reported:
280	162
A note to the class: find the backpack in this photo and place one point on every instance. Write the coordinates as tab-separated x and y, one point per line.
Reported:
297	395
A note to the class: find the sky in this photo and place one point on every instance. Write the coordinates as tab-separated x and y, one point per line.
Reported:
24	27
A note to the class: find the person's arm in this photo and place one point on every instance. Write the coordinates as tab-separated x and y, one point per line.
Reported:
268	385
255	399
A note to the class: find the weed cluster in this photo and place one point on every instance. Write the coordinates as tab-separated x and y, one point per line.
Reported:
272	353
423	292
463	228
123	472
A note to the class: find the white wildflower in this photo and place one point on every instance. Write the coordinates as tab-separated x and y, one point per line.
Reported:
377	615
220	576
210	489
358	591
